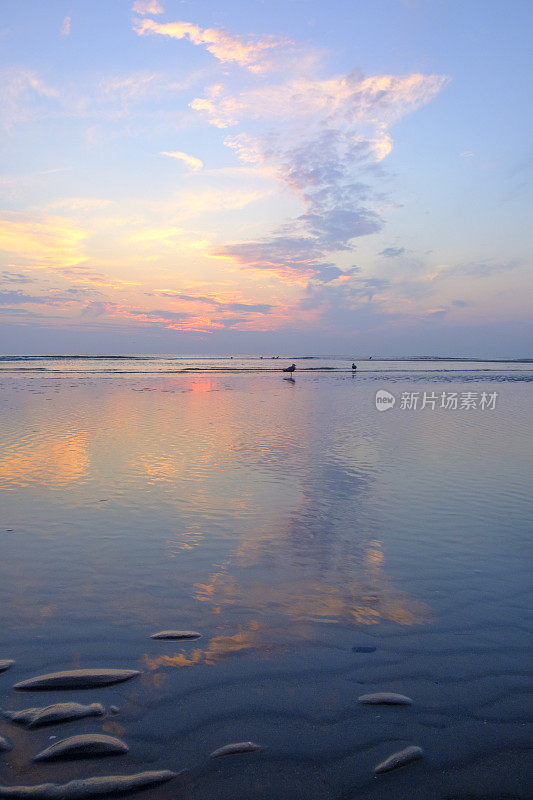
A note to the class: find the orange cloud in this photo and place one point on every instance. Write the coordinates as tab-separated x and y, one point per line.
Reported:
168	319
85	276
48	241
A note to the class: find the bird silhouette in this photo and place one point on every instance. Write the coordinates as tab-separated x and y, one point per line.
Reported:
290	369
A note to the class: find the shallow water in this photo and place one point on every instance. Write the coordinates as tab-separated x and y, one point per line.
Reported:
290	524
369	368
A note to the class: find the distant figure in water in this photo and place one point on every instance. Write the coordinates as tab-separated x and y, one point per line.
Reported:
354	367
370	358
290	369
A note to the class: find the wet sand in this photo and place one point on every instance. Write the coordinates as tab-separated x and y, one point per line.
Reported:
323	550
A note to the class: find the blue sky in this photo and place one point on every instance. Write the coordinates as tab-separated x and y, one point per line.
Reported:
257	176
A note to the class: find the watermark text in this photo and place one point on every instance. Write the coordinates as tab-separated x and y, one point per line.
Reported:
432	401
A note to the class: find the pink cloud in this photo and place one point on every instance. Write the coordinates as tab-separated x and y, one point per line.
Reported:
222	45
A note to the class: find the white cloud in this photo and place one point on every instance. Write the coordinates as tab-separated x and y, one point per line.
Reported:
23	95
65	27
322	136
143	7
360	105
190	161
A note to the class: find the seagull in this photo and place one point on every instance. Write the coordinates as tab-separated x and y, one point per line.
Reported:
290	369
354	367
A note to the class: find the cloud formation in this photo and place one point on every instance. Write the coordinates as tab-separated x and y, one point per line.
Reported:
15	277
15	297
197	320
393	252
475	269
214	302
226	48
190	161
325	140
24	96
44	241
144	7
361	106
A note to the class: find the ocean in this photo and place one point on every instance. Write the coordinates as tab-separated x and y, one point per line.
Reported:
382	368
326	545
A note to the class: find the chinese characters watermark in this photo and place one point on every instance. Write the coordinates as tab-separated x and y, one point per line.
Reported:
446	401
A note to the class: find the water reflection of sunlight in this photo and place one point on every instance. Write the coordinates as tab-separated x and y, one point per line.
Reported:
295	604
354	591
203	384
275	505
361	593
252	637
54	460
185	540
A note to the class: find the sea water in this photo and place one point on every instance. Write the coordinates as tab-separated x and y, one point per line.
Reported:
324	549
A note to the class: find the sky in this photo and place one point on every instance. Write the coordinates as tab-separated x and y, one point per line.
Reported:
191	176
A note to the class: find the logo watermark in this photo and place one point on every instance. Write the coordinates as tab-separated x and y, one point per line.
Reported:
446	401
384	400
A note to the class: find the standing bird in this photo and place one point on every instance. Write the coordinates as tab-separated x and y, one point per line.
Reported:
290	369
354	367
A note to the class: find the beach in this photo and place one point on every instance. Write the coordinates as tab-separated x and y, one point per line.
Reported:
323	548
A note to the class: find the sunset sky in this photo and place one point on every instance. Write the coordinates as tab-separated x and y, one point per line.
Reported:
252	177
